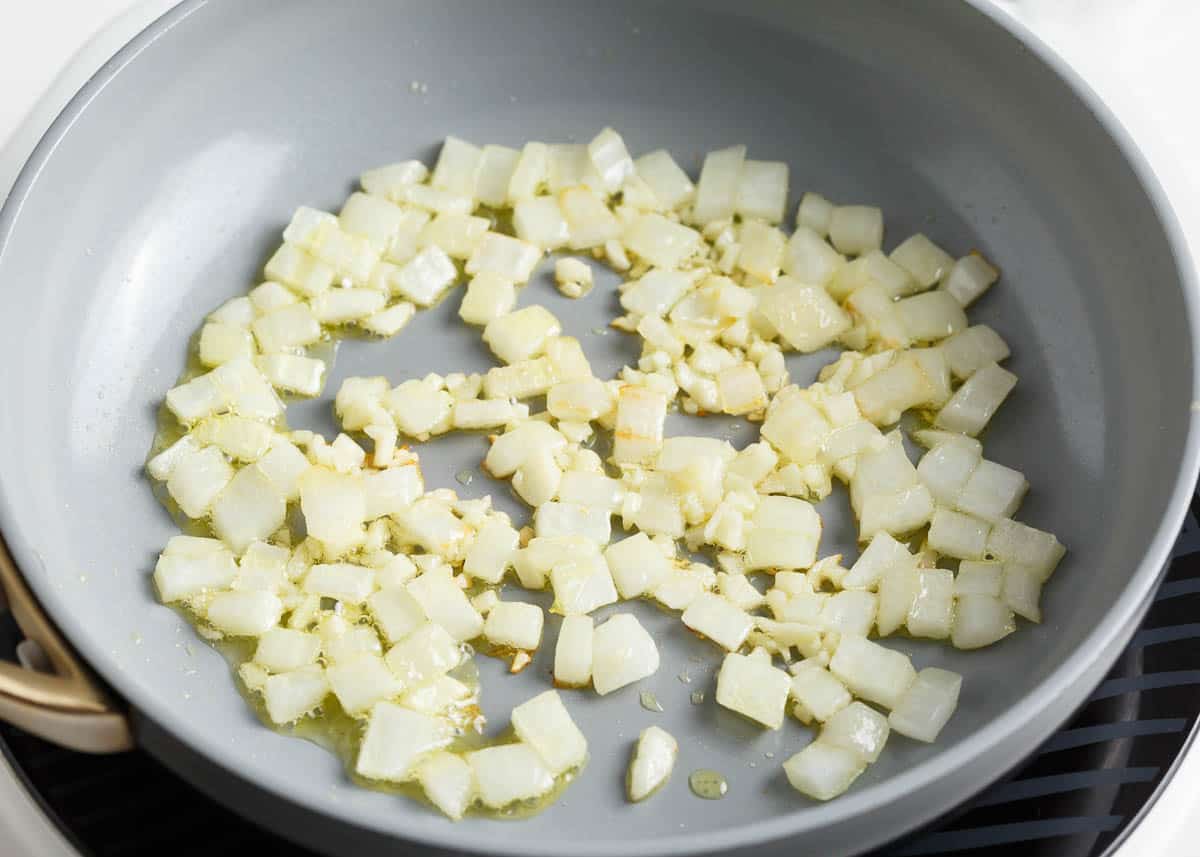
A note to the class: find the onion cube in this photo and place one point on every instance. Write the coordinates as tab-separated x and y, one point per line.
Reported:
622	653
371	217
794	426
661	242
872	672
162	464
638	435
508	257
877	311
430	524
588	216
858	728
881	555
387	180
509	773
820	695
573	651
220	343
810	259
244	614
981	620
571	519
301	375
753	688
190	566
404	244
489	296
822	770
932	612
250	507
970	350
457	234
197	479
390	491
539	220
928	704
805	316
544	724
445	604
875	270
513	448
396	613
1022	590
494	175
739	591
924	260
333	505
653	759
670	184
762	190
420	409
849	612
969	278
591	489
299	271
992	492
957	535
931	316
530	172
636	564
899	512
360	682
719	620
976	401
342	581
898	590
1014	542
945	470
423	278
522	334
350	256
786	532
610	159
291	695
717	190
491	554
856	229
569	165
423	655
514	625
395	740
656	292
581	585
814	212
448	781
456	167
741	390
979	578
284	464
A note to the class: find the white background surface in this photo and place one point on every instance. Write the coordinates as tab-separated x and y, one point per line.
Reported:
1141	55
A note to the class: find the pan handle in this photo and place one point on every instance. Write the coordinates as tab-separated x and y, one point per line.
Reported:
66	705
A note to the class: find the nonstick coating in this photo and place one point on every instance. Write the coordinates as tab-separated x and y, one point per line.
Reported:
163	187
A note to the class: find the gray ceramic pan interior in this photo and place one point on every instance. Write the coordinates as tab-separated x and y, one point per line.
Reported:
163	187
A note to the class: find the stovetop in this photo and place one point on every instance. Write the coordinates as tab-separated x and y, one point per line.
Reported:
1075	797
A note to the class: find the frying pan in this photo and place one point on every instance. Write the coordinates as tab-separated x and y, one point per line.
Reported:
163	186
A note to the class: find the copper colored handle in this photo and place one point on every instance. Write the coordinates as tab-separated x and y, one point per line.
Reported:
67	706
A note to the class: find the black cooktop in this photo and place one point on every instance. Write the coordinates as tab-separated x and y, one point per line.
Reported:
1076	797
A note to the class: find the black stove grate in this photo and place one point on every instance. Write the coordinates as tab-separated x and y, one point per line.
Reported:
1075	798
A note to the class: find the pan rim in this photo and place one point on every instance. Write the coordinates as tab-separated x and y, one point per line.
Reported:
1009	729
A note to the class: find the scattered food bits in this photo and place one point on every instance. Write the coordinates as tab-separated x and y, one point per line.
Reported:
355	579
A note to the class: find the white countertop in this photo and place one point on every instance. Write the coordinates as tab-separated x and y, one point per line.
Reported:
1141	56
